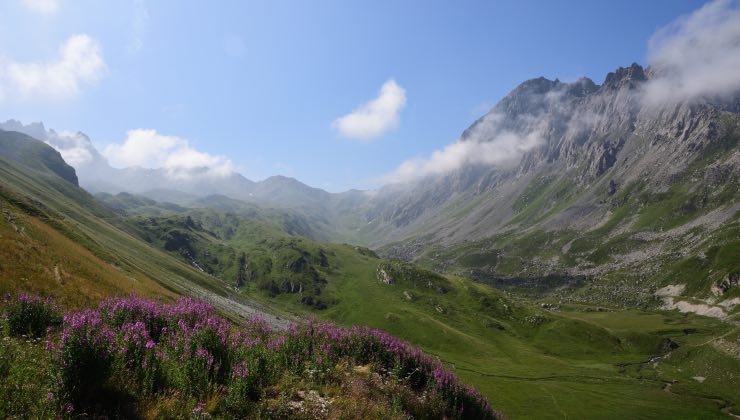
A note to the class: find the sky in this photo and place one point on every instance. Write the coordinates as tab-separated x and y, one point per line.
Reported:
336	94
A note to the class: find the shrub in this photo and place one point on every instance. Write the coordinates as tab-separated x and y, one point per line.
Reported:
135	363
85	356
184	352
119	311
29	315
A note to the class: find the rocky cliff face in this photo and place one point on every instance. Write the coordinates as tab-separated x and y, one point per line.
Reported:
592	138
615	188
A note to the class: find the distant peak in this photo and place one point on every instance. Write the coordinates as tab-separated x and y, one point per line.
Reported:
582	87
541	85
34	129
625	76
281	178
537	86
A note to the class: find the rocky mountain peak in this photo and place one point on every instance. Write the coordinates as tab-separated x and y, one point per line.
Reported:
625	76
35	129
582	87
539	86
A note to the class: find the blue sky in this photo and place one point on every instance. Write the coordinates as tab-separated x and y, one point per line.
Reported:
262	84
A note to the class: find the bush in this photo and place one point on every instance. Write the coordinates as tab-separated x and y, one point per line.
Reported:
29	315
85	356
135	364
184	353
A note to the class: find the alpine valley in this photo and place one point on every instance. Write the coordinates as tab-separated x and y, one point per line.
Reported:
592	273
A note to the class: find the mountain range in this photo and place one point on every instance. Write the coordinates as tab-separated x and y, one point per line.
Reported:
537	259
563	183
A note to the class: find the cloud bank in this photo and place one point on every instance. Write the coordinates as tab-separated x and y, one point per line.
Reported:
79	63
149	149
488	144
374	118
75	148
697	55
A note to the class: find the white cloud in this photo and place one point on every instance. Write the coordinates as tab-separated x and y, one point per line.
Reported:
487	144
79	63
376	117
697	55
75	148
149	149
44	7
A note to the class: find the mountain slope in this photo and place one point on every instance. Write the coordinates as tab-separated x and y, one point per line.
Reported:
23	150
532	361
57	231
616	187
603	188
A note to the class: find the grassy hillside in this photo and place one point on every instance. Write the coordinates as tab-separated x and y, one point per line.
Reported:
57	232
134	358
530	360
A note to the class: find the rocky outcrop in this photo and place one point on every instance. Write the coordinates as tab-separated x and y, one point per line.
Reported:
592	137
625	77
384	277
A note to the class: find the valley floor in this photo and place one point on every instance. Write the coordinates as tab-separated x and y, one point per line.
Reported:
700	378
569	362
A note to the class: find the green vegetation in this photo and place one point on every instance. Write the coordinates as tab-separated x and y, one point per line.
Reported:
244	252
505	346
536	363
130	357
57	240
30	316
548	355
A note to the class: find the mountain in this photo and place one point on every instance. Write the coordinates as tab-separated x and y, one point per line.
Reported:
619	197
31	154
597	141
320	209
577	186
531	355
58	240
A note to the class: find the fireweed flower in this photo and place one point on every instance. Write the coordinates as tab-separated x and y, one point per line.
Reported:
143	334
240	371
198	407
